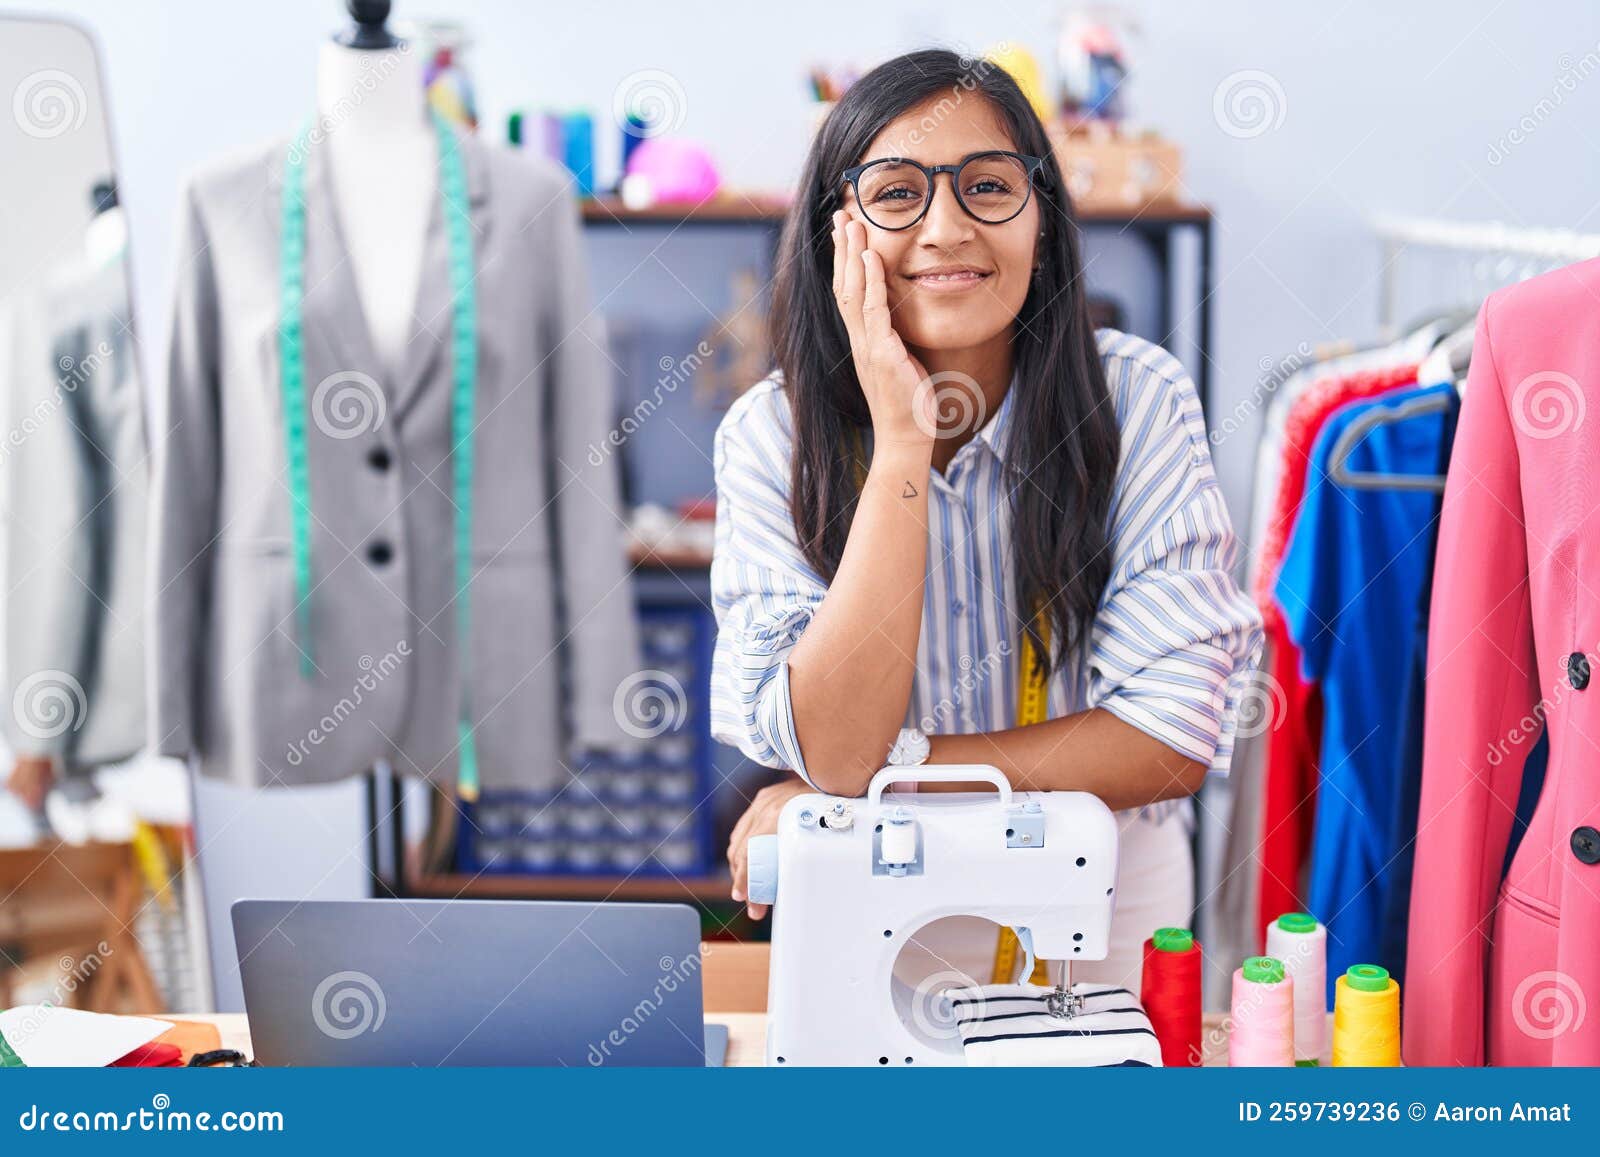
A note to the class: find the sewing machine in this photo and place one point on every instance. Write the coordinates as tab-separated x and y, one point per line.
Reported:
852	880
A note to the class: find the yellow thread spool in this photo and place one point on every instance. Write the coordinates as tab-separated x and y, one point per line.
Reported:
1366	1018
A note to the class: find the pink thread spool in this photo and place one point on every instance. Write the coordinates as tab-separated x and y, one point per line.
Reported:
1263	1015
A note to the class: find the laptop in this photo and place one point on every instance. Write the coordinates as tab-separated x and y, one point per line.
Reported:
473	982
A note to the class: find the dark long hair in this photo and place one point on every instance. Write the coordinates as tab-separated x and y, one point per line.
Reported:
1063	443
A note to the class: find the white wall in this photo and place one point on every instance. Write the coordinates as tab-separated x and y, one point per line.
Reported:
1386	106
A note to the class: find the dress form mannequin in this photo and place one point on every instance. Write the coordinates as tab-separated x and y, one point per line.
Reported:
380	144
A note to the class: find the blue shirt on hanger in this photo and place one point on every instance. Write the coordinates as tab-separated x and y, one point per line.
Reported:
1349	587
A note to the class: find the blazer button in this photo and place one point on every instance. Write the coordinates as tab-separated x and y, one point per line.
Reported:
1578	670
378	458
1586	844
379	553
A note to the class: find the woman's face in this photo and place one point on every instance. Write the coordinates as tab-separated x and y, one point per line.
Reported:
986	268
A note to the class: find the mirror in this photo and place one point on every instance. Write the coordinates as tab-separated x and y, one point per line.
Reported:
73	455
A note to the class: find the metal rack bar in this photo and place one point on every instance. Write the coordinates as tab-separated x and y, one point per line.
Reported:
1488	238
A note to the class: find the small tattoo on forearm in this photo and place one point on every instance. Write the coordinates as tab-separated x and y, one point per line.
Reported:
909	492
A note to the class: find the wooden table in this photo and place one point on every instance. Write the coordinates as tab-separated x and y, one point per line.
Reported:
74	905
735	986
747	1036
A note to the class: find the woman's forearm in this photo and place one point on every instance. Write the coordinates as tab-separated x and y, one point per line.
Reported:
1091	751
850	674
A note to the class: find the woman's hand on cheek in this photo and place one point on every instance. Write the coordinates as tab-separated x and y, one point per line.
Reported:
759	819
902	405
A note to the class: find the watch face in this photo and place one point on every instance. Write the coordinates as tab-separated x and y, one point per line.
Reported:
911	747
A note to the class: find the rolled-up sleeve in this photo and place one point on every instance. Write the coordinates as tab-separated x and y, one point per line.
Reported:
763	591
1176	642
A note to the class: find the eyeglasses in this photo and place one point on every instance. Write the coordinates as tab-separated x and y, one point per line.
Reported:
894	193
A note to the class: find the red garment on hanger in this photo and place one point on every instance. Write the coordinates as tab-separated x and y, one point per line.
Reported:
1294	745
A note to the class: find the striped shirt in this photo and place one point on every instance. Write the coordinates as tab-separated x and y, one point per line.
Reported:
1173	644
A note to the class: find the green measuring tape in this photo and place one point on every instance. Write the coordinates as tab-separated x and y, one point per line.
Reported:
464	375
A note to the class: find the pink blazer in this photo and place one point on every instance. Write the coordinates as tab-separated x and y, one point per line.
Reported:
1509	973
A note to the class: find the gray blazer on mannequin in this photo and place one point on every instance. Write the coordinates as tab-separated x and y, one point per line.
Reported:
550	597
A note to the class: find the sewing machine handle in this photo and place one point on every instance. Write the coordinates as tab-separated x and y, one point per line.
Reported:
939	773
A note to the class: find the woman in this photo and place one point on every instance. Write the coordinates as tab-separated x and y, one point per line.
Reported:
951	474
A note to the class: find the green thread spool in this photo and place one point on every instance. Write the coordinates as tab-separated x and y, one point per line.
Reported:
1173	939
1263	969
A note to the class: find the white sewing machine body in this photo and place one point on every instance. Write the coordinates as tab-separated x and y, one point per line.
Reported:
860	877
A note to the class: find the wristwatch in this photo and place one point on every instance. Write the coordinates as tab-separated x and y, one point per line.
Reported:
911	748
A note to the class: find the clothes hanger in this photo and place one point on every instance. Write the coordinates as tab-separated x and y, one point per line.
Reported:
1443	319
1340	472
1449	360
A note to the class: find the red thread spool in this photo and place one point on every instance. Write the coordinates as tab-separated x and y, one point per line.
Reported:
1170	993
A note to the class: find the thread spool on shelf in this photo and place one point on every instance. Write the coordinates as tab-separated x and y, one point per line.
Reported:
1262	1016
1170	992
1366	1018
1298	940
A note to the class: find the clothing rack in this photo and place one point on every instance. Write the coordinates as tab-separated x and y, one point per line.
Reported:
1516	252
1536	248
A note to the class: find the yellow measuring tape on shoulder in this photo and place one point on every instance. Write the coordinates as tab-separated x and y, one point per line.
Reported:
1033	706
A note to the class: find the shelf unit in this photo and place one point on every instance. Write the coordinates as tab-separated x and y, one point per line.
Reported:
689	889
